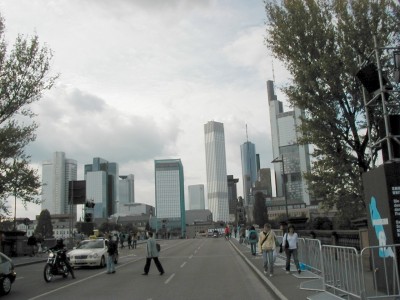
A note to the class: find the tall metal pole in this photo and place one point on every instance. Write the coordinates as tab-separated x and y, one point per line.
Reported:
284	188
276	160
383	100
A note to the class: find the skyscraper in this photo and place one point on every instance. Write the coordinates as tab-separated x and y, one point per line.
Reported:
126	185
232	197
217	184
196	197
296	158
56	174
102	186
249	169
169	190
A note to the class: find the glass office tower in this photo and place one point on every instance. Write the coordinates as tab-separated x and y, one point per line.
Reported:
56	174
102	186
249	169
217	184
169	191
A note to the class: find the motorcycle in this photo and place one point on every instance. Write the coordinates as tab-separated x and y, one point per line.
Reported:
55	265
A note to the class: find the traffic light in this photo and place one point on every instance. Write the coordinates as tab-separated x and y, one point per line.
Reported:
88	217
90	204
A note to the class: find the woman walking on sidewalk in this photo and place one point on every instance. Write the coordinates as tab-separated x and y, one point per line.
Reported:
267	244
289	243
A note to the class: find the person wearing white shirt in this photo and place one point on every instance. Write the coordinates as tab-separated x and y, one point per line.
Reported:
289	243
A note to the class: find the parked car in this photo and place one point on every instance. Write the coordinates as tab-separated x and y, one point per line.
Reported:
7	274
215	233
90	253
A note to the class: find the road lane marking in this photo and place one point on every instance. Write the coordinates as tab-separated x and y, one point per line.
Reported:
182	265
191	256
170	278
19	278
81	280
195	251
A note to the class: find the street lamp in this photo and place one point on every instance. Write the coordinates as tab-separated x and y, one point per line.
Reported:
283	183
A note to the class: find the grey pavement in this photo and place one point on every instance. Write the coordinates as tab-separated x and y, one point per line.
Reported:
285	286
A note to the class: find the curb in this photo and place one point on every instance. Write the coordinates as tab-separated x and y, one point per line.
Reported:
19	264
273	288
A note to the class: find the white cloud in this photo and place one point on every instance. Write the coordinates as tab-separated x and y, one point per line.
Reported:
139	79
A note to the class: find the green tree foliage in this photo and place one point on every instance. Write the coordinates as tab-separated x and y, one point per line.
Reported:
44	227
23	182
321	43
24	76
108	227
260	213
321	223
130	228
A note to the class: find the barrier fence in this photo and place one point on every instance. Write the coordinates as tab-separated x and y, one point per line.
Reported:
384	270
344	272
372	273
341	271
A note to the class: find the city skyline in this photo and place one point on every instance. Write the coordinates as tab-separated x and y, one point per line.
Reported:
139	85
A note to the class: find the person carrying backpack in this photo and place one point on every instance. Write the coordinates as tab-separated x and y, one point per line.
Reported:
253	239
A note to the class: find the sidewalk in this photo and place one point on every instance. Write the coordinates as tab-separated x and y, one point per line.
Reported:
285	286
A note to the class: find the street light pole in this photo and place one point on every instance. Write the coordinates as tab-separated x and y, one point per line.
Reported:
283	183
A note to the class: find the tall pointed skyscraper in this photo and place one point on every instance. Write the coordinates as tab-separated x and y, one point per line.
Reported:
217	183
296	157
249	169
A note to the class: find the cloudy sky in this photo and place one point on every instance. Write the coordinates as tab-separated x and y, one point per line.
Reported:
139	79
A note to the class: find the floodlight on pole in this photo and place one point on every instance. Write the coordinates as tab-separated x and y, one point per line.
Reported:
396	59
281	160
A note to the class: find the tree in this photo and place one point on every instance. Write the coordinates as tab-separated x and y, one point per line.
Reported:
24	76
260	213
129	227
23	184
44	226
321	42
322	223
108	227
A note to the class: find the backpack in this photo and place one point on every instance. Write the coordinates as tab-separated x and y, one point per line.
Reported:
253	235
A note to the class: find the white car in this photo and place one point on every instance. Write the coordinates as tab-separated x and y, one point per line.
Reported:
90	253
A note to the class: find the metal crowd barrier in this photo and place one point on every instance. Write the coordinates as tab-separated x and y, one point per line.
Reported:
312	255
341	271
381	276
345	273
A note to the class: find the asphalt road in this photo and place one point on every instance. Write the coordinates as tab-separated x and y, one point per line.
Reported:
206	268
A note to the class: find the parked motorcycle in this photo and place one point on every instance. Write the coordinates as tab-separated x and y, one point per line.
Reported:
55	265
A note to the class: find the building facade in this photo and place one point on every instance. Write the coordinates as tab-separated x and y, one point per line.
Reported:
232	197
126	187
249	169
217	185
56	174
169	191
196	197
290	181
102	186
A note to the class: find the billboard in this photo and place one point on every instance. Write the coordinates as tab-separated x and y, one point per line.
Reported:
77	192
382	199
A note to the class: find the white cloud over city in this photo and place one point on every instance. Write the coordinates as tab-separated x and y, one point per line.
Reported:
139	79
